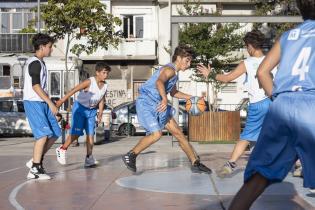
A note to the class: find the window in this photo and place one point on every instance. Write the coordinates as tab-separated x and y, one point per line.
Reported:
55	83
6	106
20	106
133	26
17	22
5	23
5	70
16	82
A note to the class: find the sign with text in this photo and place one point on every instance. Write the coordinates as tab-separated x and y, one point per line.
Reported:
116	92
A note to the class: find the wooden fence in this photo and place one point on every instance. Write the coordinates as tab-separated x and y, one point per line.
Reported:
215	126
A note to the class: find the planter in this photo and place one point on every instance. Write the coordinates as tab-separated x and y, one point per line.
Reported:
215	126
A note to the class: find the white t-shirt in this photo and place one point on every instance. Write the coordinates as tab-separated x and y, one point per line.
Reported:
28	93
255	93
92	97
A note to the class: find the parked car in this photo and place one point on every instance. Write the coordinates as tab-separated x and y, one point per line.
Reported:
13	121
126	122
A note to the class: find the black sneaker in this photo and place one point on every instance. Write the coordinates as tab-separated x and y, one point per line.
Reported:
37	173
130	160
198	167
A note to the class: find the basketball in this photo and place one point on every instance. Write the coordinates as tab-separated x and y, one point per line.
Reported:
195	106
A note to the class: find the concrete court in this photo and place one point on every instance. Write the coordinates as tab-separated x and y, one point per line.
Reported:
163	180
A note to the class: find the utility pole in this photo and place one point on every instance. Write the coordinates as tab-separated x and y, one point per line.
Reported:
38	16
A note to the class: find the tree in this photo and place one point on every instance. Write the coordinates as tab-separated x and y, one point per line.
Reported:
276	8
73	20
213	43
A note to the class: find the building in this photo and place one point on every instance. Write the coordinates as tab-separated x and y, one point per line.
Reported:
146	31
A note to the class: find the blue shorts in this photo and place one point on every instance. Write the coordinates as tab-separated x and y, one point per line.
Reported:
287	134
149	118
255	117
42	121
82	118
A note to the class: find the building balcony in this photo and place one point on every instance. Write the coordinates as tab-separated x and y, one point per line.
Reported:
15	43
132	49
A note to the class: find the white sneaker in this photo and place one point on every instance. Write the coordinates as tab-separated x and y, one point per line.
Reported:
61	155
36	173
29	163
90	161
312	190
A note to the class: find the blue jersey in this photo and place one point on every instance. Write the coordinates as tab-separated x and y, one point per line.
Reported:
296	70
149	87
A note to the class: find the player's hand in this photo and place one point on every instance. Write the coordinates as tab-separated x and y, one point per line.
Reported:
204	70
99	119
162	106
58	103
53	108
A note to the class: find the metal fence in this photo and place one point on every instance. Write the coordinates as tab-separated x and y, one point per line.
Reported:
16	43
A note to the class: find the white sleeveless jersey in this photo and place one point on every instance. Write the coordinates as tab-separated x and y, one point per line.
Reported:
255	93
28	93
92	97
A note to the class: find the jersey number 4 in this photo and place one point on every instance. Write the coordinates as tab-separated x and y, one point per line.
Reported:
301	64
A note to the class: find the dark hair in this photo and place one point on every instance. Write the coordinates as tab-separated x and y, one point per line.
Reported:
182	51
101	65
41	39
254	38
60	116
307	8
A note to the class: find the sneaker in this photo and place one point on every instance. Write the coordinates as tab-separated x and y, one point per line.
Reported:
61	155
90	161
297	171
312	190
227	169
29	163
198	167
130	161
37	173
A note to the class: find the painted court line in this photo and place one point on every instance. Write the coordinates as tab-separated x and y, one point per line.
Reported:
13	169
12	196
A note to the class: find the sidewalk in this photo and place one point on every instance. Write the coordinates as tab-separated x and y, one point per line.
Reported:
163	180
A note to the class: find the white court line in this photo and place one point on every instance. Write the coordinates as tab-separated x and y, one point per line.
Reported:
12	196
13	169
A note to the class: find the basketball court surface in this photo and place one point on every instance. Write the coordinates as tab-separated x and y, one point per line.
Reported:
163	181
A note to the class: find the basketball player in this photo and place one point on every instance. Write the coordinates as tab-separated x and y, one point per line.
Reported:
84	112
258	100
288	130
154	113
39	109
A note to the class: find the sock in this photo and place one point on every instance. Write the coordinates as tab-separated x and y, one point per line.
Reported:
232	164
36	165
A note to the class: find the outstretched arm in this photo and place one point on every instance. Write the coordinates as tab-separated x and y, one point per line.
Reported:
269	63
81	86
178	94
165	74
232	75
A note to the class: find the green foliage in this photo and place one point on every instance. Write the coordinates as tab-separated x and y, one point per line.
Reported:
277	8
65	18
211	42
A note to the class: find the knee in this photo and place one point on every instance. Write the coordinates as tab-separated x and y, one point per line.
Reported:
156	135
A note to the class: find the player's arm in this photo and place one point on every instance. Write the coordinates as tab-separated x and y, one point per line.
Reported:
101	105
83	85
34	72
178	94
232	75
165	74
268	64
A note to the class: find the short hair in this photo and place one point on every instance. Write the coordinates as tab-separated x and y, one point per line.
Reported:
41	39
307	8
254	38
182	51
102	65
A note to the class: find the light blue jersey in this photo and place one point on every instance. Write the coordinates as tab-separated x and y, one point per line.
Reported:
296	70
149	87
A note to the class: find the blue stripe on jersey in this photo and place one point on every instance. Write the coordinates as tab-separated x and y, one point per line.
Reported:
149	87
296	70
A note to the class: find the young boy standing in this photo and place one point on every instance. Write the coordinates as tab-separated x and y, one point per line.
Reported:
288	130
154	113
84	111
39	109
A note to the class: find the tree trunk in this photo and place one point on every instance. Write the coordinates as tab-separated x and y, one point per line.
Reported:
67	71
